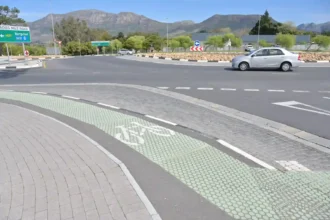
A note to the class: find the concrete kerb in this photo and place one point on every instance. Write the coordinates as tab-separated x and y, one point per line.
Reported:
310	140
14	66
152	211
216	61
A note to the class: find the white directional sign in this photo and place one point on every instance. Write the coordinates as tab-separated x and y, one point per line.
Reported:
303	107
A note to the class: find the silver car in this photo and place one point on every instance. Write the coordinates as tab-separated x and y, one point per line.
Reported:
270	57
125	52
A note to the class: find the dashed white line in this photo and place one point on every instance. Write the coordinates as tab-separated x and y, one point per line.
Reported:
228	89
96	72
158	119
275	90
204	88
292	165
162	87
246	155
251	90
324	91
326	97
301	91
42	93
70	97
106	105
182	88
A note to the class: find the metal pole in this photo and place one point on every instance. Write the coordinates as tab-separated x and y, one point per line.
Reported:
23	46
8	53
167	35
79	47
53	29
259	31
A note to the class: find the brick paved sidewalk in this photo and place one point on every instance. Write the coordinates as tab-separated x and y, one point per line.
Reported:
48	171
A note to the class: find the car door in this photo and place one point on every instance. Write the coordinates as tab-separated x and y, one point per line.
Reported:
259	59
275	58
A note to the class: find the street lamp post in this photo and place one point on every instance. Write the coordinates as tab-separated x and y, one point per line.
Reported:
166	35
53	29
259	31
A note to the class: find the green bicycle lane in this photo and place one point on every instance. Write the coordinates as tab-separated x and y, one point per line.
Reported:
242	191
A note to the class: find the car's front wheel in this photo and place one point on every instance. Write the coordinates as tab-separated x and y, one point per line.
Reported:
286	66
243	66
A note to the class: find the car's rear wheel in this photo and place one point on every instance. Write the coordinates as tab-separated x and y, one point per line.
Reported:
286	66
243	66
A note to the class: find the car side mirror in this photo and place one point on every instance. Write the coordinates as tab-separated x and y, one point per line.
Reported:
253	55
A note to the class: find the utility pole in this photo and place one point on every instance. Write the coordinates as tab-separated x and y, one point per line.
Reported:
259	30
54	40
166	35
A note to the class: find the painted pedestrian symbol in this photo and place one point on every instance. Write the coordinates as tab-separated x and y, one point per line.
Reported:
133	135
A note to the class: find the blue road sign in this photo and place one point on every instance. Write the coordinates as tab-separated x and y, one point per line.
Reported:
197	43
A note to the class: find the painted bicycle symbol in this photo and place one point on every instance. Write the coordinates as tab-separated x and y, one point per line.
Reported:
133	135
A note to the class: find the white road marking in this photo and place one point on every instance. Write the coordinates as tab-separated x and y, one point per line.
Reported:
275	90
42	93
324	91
291	104
158	119
228	89
326	97
162	87
205	88
106	105
301	91
70	97
182	88
246	155
252	90
69	73
292	165
96	72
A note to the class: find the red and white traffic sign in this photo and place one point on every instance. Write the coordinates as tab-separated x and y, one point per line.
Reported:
196	48
26	53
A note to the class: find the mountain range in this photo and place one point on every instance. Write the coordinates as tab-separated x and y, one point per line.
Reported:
130	22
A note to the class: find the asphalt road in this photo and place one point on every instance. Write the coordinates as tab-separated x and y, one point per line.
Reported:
252	91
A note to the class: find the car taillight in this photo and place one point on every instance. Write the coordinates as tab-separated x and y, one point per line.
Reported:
299	58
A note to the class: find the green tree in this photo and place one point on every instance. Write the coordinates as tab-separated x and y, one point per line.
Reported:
116	45
155	40
72	48
267	26
9	16
100	34
288	28
134	42
326	33
264	43
322	41
285	40
72	29
173	44
185	41
215	41
235	41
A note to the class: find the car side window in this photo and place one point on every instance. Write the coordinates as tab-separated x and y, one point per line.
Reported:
275	52
261	53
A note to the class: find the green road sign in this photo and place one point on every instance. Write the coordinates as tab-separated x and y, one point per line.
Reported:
14	34
100	43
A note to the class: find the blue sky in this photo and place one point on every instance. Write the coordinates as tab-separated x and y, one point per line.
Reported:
298	11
